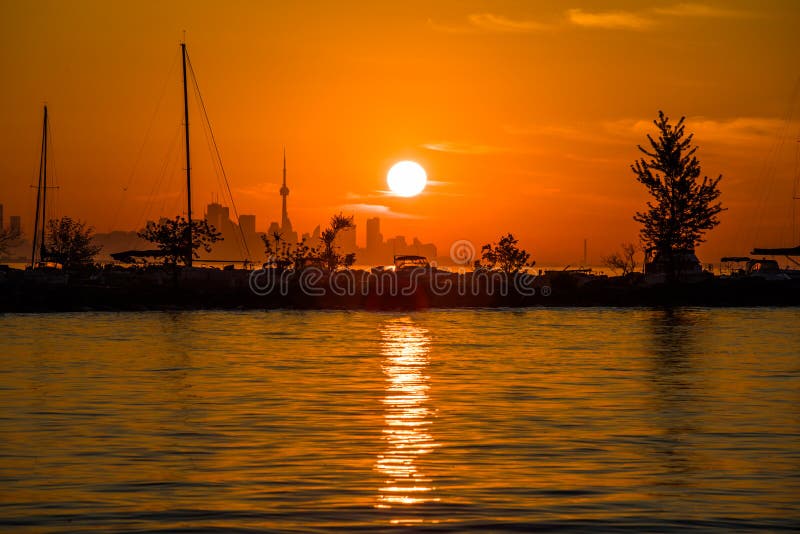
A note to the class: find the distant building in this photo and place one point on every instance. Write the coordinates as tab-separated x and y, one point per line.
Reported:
239	241
1	218
374	236
247	223
346	240
285	228
312	239
380	252
217	215
397	245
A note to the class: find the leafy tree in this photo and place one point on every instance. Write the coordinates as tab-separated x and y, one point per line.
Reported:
8	239
328	256
505	255
70	242
171	236
624	261
683	207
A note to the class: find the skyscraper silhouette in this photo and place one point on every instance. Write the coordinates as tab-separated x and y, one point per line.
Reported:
289	235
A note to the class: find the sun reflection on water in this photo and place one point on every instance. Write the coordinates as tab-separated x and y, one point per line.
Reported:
405	348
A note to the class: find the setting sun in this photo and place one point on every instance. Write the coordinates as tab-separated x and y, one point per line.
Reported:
407	179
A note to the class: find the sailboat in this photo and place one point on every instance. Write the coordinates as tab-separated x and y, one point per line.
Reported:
129	256
40	221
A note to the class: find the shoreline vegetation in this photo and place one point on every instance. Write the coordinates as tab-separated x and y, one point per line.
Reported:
114	288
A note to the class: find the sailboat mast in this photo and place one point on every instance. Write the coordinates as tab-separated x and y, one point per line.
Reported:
188	161
39	190
43	250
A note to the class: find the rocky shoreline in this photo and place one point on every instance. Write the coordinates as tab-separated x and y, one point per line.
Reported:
182	289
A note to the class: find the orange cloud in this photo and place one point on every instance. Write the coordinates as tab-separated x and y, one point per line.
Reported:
491	23
499	23
375	209
609	19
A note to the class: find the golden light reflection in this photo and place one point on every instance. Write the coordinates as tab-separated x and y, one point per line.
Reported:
406	415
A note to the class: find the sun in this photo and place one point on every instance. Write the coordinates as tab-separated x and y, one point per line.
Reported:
407	178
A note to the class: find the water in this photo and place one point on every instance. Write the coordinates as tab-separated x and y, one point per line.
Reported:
502	420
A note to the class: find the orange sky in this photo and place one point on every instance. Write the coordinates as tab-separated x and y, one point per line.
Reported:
526	115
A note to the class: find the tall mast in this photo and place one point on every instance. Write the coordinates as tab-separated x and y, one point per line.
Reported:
43	250
188	161
40	212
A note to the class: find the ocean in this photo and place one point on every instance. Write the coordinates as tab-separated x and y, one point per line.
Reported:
501	420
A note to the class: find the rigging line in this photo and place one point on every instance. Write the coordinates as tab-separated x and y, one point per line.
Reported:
161	175
207	135
52	175
771	162
219	157
160	178
214	165
243	247
144	141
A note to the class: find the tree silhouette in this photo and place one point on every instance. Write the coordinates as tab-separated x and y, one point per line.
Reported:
328	256
278	237
301	255
275	253
171	236
70	242
683	208
505	255
624	261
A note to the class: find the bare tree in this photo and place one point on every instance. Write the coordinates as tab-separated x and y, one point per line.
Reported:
624	261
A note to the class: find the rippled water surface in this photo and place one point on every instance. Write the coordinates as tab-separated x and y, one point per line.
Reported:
442	420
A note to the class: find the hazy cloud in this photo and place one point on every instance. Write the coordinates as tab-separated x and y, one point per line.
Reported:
464	148
491	23
261	190
737	130
634	131
499	23
609	19
375	209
